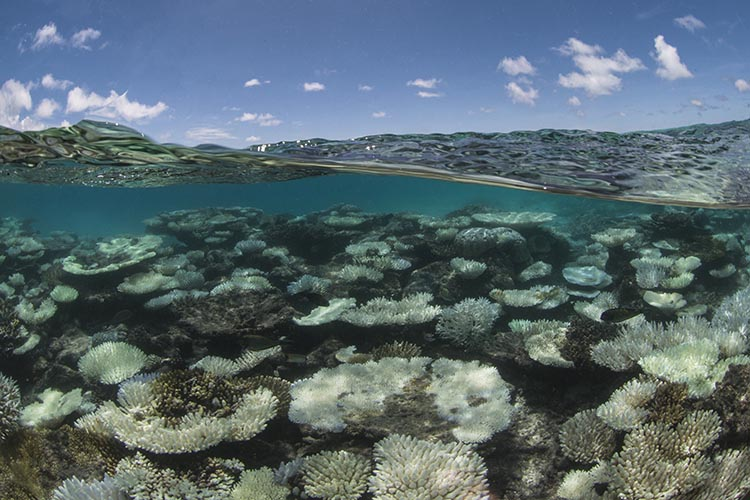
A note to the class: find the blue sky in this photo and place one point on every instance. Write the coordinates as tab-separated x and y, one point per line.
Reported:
243	72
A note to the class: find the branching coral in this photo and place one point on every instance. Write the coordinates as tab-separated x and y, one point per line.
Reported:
335	475
408	468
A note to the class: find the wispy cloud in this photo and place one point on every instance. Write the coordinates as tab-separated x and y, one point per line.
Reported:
47	108
690	23
379	114
427	95
697	103
520	95
50	82
114	106
262	119
423	83
45	36
574	101
48	35
252	138
518	66
670	65
364	87
742	85
313	87
208	134
255	82
80	39
598	74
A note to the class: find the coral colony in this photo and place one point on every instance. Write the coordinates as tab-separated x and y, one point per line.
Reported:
230	354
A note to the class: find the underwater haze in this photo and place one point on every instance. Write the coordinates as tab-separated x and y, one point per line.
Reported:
376	250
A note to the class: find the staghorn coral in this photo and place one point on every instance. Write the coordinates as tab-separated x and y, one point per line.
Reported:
10	400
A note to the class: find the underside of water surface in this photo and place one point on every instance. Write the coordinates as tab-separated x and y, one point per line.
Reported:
343	335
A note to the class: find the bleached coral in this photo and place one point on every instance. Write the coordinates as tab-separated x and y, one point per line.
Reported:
112	362
351	273
614	237
64	294
259	484
75	489
466	268
586	438
326	314
472	395
51	409
412	309
408	468
335	475
468	322
136	424
324	400
625	408
309	284
111	255
536	270
226	367
30	314
539	296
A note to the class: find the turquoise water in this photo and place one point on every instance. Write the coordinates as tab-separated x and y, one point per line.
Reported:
304	328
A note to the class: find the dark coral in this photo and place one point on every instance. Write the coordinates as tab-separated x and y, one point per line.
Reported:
580	335
669	404
180	392
235	314
396	349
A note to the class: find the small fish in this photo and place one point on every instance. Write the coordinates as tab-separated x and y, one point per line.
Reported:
121	316
619	314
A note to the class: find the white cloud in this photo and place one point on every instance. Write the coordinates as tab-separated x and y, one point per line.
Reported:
742	85
114	106
313	86
597	74
518	66
262	119
574	101
47	108
697	103
379	114
81	38
253	82
45	36
690	23
670	66
364	87
519	95
423	83
208	134
50	82
14	98
247	117
426	95
252	138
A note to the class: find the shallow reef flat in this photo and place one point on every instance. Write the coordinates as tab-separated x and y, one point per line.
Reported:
229	353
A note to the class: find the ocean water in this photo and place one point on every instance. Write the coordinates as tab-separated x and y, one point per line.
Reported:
551	314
